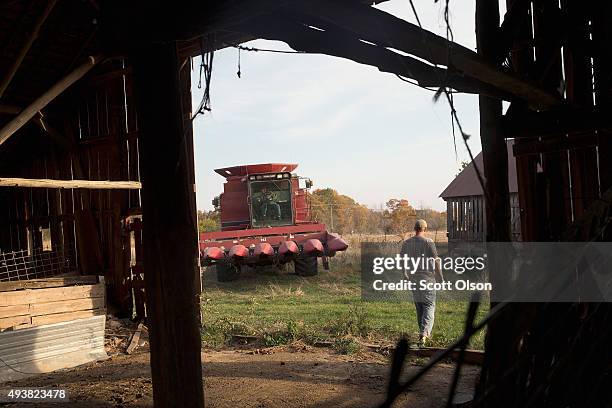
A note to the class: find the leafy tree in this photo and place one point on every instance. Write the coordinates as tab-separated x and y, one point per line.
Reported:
400	215
436	220
209	221
343	214
462	166
339	212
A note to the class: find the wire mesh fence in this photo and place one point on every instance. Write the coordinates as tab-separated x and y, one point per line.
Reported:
35	264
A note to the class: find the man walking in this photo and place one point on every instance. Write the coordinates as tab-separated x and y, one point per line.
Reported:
428	270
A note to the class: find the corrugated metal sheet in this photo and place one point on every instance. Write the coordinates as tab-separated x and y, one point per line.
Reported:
50	347
466	183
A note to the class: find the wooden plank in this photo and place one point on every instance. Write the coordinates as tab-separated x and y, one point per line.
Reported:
28	296
60	306
602	66
48	283
556	208
64	317
8	322
583	163
135	339
52	183
64	306
88	243
14	310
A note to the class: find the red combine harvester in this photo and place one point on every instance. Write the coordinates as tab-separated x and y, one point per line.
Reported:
265	220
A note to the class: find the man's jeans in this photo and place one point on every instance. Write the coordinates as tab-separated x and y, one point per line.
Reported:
425	302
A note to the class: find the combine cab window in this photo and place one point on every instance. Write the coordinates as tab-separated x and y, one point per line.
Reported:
271	203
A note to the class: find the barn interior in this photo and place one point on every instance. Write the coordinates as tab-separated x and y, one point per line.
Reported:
96	158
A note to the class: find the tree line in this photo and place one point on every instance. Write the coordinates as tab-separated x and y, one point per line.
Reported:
344	215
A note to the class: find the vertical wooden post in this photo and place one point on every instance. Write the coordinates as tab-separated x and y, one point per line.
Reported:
602	66
169	228
500	343
578	79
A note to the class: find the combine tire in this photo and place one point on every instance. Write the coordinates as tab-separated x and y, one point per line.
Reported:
226	272
306	266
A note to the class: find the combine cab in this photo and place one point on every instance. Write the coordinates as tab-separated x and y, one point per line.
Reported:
265	220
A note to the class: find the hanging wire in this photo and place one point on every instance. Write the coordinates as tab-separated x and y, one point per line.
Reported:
415	83
238	73
454	136
254	49
206	64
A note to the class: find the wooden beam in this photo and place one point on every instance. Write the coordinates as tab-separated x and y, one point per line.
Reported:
512	26
28	113
23	51
384	29
367	23
494	149
523	123
560	143
602	66
87	184
48	283
583	163
170	235
501	339
195	45
341	43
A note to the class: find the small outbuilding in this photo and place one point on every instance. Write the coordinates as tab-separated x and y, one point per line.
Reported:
465	204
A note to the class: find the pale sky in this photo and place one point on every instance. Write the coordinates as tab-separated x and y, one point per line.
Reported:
350	127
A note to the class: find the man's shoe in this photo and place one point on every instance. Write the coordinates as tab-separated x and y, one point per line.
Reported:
423	341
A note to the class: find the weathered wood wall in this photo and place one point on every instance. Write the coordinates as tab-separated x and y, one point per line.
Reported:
90	133
556	354
561	173
466	218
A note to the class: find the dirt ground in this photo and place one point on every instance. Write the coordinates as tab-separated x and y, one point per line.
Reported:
292	376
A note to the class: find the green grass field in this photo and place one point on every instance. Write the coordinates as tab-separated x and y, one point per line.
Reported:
282	307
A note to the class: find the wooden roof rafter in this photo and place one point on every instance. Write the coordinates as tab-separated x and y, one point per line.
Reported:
340	43
368	25
381	28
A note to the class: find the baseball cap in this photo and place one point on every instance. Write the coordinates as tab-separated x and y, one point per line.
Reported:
420	225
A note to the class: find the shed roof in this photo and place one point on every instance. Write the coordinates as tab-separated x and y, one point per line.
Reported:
466	183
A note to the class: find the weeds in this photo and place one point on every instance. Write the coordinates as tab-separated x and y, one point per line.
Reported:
356	322
284	308
290	333
346	345
275	290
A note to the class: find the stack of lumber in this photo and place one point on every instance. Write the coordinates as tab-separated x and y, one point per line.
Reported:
38	302
49	324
